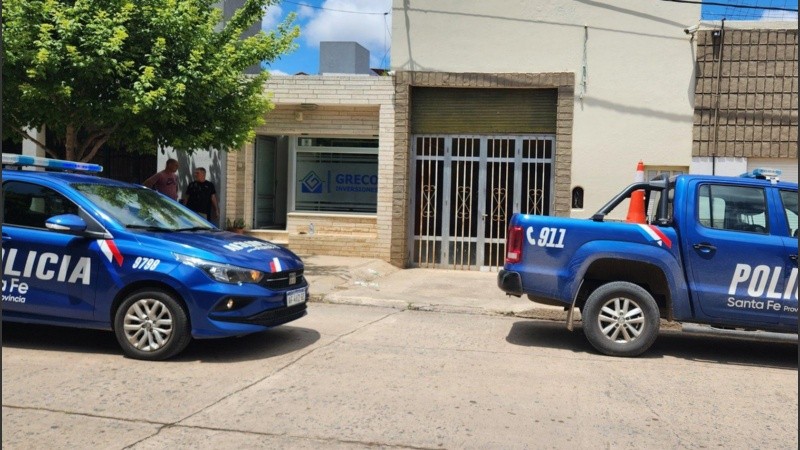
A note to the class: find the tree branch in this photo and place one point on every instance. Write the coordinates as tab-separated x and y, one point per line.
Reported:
27	136
95	141
96	147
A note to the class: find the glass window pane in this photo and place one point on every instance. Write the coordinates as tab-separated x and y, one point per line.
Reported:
733	208
336	182
789	199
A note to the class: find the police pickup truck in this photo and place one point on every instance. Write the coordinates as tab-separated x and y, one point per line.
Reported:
716	254
90	252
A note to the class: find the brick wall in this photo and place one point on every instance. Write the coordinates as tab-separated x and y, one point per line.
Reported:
746	94
333	234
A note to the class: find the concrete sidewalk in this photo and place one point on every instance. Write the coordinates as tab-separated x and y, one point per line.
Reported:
362	281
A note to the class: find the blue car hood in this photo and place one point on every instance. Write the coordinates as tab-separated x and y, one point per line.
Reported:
225	247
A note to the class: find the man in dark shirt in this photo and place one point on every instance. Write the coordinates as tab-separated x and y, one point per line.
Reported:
201	197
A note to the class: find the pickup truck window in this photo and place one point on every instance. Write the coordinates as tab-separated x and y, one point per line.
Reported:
735	208
789	199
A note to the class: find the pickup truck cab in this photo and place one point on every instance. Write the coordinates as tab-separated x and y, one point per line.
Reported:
84	251
716	253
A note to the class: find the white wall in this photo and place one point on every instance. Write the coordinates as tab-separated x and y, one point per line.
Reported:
215	163
729	167
638	102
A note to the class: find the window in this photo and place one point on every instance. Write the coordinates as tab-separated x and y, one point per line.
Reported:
30	205
336	175
651	172
789	199
577	197
733	208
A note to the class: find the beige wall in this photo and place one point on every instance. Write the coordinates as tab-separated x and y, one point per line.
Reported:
344	106
639	91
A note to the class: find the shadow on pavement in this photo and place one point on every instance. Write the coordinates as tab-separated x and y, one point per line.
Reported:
55	338
550	334
268	344
674	344
724	350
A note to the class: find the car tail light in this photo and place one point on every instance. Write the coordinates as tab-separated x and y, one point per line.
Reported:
514	244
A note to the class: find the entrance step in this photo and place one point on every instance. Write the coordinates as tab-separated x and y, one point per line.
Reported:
279	237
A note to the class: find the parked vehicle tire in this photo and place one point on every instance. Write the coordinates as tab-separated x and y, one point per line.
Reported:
151	325
621	319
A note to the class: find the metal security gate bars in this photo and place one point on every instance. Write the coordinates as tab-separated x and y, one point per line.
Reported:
465	190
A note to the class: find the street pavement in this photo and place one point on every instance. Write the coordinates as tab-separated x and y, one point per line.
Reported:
358	377
398	358
364	281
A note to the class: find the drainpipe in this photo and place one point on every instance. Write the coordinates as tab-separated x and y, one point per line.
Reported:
716	106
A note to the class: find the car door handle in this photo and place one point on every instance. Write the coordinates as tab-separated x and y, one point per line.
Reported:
704	247
793	258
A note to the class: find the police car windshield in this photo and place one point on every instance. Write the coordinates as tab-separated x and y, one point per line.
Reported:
140	208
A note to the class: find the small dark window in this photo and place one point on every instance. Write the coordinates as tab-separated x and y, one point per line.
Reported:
577	198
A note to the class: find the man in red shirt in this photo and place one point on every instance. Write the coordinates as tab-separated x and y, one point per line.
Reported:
165	181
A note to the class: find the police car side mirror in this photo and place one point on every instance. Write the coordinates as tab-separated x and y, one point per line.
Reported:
68	223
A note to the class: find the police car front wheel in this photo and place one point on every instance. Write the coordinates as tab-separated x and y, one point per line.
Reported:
151	325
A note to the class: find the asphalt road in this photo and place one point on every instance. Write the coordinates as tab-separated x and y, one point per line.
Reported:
364	377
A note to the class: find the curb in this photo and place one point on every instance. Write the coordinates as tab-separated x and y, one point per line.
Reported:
403	305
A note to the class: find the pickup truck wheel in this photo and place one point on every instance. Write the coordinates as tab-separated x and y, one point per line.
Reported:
621	319
151	325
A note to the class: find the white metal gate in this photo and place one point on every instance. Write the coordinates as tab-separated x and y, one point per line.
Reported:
465	190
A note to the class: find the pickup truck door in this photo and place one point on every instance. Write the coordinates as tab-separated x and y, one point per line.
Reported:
788	203
736	267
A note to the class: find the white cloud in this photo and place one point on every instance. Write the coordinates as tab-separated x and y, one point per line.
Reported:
277	72
271	18
373	31
771	15
305	12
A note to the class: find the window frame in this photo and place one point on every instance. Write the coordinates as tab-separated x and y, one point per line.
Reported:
296	148
726	215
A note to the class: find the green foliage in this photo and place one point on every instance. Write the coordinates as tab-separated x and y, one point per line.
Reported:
137	74
237	223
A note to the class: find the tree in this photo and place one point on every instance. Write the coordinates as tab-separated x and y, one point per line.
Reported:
137	74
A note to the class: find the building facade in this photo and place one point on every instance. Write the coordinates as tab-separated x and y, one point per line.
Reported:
499	107
547	107
320	176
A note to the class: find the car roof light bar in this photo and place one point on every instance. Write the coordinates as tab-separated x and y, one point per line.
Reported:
48	163
773	175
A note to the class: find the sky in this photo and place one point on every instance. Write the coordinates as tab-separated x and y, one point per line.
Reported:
369	22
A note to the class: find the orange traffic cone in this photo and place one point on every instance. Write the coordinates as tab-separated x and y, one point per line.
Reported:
636	207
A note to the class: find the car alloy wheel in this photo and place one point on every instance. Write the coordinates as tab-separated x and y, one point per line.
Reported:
148	325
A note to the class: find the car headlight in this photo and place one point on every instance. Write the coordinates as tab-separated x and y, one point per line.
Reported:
225	273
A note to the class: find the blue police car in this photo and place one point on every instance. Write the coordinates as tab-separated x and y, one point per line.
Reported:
84	251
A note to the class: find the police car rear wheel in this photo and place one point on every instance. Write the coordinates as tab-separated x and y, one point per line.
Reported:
621	319
151	325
